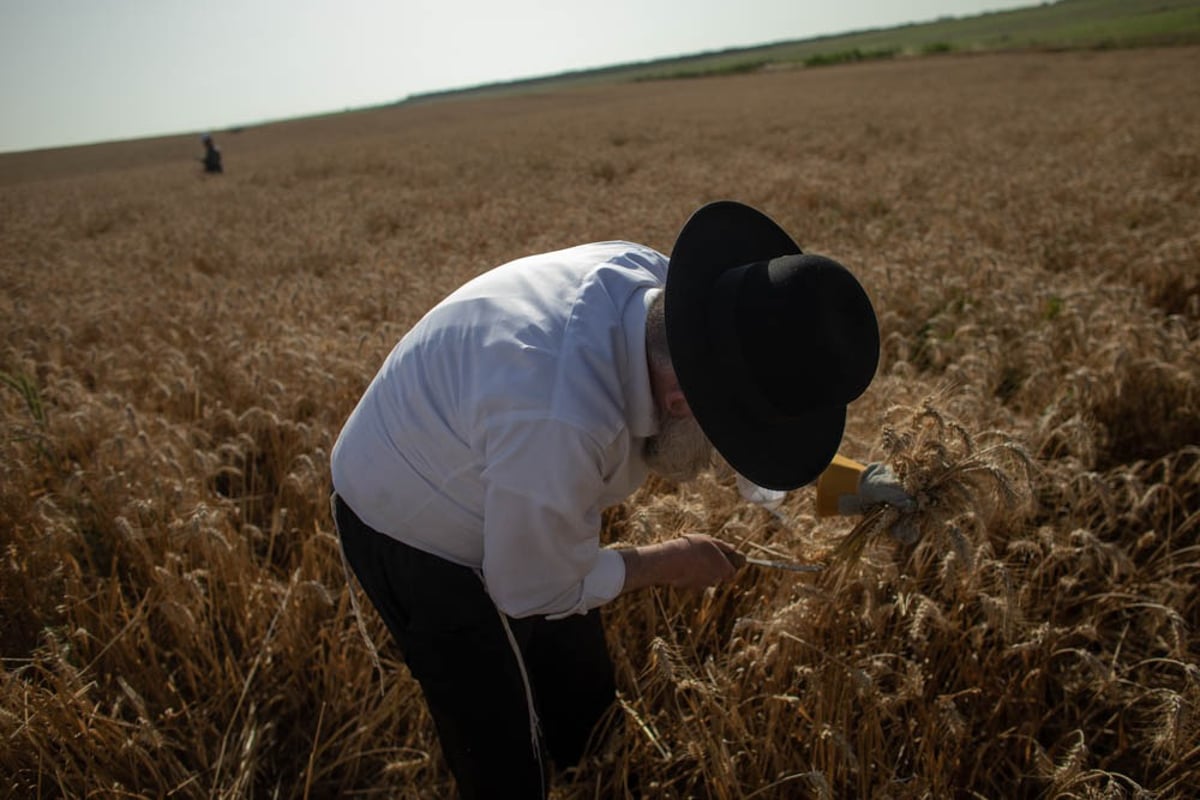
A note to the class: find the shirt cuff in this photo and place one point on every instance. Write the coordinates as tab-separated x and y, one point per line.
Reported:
603	583
607	578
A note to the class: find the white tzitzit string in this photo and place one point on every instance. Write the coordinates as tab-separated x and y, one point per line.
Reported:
535	730
350	586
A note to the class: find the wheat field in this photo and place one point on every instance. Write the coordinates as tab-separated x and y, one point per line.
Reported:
179	352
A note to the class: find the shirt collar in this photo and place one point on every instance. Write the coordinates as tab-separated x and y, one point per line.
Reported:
643	421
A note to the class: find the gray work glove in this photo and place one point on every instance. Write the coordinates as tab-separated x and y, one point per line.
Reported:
878	485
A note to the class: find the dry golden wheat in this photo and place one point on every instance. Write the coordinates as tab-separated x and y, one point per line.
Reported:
177	355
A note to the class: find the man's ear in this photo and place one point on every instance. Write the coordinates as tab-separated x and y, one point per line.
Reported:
675	403
668	397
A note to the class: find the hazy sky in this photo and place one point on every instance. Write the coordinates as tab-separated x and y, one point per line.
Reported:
77	71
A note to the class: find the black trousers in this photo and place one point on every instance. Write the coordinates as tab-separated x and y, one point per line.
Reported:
455	644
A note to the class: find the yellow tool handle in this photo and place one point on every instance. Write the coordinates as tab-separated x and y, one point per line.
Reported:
839	478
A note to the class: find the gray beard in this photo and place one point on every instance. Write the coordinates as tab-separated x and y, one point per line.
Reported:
679	451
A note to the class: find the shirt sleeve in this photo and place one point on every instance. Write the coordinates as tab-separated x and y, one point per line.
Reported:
541	522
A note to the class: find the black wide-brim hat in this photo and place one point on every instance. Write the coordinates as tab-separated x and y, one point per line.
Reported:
769	344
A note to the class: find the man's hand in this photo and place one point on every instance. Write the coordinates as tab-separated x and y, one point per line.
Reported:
693	561
877	486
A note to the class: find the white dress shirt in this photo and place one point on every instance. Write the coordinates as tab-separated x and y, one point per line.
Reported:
507	419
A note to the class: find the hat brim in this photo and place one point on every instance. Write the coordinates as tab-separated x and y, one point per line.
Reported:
774	452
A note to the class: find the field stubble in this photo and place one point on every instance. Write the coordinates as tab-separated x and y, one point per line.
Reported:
177	355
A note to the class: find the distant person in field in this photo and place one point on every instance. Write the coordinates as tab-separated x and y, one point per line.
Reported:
470	479
212	156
